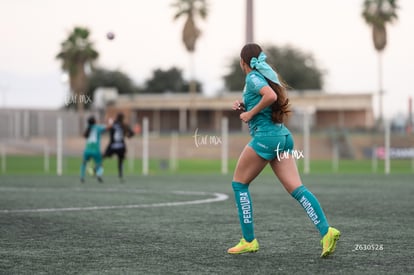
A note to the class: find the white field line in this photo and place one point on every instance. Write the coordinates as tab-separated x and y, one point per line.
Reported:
217	197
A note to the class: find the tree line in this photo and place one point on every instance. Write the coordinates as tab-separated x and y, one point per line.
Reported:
298	68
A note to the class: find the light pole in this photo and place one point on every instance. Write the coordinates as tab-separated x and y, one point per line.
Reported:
249	22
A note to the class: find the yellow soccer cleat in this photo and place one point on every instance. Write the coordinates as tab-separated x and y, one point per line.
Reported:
328	241
244	247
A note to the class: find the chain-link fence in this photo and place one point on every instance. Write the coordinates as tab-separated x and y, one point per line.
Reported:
35	133
26	124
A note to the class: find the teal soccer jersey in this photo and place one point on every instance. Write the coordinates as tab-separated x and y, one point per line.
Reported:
93	142
261	123
269	138
93	151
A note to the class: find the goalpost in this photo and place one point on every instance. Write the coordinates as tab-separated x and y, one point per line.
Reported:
387	133
173	149
306	142
33	148
3	159
224	145
174	152
145	151
59	144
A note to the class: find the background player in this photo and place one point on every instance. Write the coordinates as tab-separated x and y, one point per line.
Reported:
93	148
118	131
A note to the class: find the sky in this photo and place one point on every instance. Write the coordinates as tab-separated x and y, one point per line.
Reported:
147	38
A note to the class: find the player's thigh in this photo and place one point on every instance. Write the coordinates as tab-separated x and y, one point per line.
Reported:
287	172
97	157
248	166
86	156
108	152
121	153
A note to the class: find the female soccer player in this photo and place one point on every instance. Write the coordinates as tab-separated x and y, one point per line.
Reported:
264	107
118	131
93	148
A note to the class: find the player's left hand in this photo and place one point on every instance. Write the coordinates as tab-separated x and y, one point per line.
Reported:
246	116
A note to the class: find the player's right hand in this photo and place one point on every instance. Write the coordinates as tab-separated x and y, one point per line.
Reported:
238	106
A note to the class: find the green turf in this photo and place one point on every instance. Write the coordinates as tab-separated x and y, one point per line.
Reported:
34	165
370	210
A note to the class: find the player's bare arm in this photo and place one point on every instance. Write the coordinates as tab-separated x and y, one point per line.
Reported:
268	97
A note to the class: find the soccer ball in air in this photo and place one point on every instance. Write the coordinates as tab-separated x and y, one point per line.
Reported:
110	35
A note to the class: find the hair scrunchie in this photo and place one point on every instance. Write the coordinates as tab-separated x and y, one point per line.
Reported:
259	63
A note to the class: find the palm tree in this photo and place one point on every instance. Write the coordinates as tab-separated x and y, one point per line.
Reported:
377	14
190	9
76	52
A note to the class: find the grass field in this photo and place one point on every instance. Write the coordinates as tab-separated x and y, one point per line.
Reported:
55	225
30	165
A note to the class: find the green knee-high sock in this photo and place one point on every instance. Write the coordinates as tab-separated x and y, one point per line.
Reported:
245	209
312	207
99	170
83	169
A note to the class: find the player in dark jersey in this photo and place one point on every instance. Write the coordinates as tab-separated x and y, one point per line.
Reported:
117	133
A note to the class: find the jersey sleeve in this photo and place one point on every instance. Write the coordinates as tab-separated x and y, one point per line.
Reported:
255	83
101	128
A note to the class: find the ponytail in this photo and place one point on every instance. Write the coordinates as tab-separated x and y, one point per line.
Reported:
87	131
253	56
280	108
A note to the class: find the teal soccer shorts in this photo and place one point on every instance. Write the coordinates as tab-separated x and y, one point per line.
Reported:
96	156
268	147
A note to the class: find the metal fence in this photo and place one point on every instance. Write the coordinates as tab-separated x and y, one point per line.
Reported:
35	132
21	124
